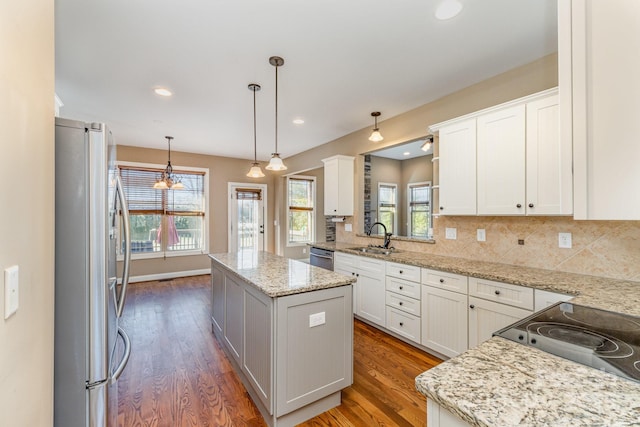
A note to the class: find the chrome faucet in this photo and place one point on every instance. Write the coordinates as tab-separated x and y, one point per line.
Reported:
387	236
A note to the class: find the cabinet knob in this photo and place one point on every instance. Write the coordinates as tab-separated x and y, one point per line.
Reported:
533	341
400	271
518	206
357	274
441	208
441	280
400	303
497	292
521	337
472	306
353	274
530	205
401	324
400	287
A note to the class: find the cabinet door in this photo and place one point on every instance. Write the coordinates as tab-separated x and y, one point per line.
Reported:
487	317
331	188
350	273
501	162
457	144
217	298
234	317
370	298
338	185
549	177
600	56
444	321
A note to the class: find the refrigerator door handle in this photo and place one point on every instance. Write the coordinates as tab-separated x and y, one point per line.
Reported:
125	357
127	246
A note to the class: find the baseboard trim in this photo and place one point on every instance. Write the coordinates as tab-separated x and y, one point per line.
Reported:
170	275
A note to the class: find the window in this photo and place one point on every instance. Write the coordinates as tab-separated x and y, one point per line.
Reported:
301	202
165	221
387	207
419	209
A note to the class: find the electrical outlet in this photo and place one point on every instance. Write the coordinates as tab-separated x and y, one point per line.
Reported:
481	235
564	240
348	227
317	319
451	233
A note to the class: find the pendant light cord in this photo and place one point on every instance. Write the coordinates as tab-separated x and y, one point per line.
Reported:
276	108
255	138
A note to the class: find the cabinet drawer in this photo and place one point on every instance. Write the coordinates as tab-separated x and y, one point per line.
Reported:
371	265
403	287
403	324
447	281
504	293
344	261
406	304
403	271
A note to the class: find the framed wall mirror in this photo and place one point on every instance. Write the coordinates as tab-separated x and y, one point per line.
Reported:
398	189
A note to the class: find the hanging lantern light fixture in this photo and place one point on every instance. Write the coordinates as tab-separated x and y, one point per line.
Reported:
375	135
167	180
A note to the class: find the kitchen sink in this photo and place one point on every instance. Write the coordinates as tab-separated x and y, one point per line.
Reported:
376	250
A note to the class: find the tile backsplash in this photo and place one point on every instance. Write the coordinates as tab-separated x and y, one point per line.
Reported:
599	248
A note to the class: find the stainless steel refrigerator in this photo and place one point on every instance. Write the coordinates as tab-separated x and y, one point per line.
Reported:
91	351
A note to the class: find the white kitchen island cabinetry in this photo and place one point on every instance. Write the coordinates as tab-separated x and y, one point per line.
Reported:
600	97
437	416
444	312
338	185
288	329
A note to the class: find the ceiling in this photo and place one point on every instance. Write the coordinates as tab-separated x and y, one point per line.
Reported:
343	60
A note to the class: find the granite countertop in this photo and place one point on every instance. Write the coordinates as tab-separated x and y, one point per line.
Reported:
278	276
609	294
502	383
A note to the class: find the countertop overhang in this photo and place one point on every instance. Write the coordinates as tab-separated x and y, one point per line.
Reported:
277	276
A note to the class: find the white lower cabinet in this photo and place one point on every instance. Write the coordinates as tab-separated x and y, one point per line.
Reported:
444	321
487	317
404	324
544	299
437	416
369	290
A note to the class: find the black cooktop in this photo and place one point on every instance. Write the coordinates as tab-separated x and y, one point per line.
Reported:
601	339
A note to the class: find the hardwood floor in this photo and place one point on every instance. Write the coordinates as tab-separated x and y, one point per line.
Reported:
178	374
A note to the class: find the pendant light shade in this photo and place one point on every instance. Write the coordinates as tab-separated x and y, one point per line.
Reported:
255	171
167	180
375	135
276	164
427	144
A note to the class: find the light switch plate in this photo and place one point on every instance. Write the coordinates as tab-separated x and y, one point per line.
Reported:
317	319
481	235
347	227
11	291
564	240
451	233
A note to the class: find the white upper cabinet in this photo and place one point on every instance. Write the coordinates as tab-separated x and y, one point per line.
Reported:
457	144
599	69
549	161
506	160
338	185
501	162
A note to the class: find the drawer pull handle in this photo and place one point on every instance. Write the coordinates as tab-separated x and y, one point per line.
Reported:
441	280
400	287
530	205
400	271
472	306
518	206
497	292
401	324
400	303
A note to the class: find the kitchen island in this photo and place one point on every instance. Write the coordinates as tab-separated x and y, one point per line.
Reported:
287	328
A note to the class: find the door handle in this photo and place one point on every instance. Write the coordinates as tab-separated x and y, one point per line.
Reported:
125	357
127	254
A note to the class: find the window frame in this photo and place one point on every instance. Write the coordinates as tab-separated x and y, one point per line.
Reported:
314	219
379	230
205	220
410	209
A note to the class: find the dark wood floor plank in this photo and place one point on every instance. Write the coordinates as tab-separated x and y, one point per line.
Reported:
178	374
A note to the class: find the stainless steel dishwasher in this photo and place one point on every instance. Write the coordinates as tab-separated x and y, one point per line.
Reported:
321	258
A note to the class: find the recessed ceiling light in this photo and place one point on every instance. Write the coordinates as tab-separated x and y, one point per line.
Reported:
406	153
448	9
298	121
162	91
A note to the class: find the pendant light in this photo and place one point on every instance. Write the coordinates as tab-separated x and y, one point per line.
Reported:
255	171
167	180
375	135
428	143
276	164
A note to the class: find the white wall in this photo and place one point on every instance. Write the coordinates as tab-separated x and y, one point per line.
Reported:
27	209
